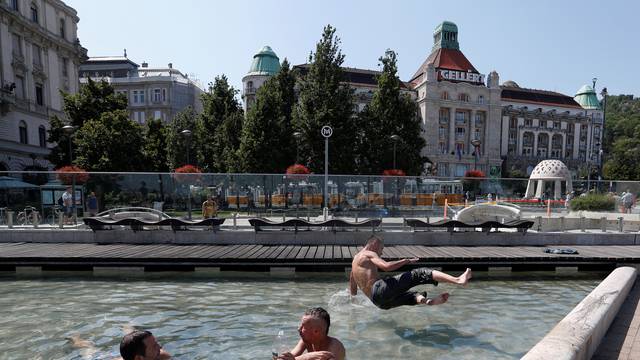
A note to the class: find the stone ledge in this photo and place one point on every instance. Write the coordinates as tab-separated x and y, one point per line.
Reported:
577	336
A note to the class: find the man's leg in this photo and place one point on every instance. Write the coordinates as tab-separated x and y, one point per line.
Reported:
463	279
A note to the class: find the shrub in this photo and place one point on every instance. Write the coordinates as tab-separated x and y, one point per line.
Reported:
181	173
297	172
66	173
393	172
593	202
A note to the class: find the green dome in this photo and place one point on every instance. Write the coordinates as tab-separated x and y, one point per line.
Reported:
265	62
587	98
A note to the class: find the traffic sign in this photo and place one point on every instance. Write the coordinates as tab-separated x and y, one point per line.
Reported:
326	131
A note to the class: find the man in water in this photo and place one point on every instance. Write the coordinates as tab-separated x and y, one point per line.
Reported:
315	339
393	291
141	345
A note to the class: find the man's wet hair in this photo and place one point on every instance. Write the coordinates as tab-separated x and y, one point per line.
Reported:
132	344
373	239
320	313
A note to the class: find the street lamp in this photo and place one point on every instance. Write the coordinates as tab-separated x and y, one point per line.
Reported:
68	130
297	135
187	135
395	139
604	94
476	145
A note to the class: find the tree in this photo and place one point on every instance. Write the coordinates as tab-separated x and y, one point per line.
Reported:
219	126
267	144
324	99
93	100
390	113
623	161
176	142
155	146
112	143
622	138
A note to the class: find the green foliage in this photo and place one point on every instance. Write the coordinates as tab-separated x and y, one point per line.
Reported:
176	143
267	144
390	113
219	127
112	143
593	202
93	100
155	146
324	100
622	138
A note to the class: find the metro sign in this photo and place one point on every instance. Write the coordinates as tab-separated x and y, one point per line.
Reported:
461	76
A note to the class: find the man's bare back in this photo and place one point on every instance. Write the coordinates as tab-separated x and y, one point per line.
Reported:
363	271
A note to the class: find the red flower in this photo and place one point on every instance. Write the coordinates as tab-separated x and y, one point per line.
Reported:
474	174
66	174
393	172
297	172
187	169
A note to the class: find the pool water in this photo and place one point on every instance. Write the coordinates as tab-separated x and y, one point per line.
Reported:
237	315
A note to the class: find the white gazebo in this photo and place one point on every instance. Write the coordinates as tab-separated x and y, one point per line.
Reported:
549	170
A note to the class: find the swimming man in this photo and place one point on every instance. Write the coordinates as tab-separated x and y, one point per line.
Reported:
393	291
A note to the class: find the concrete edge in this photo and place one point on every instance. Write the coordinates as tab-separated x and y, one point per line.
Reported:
578	335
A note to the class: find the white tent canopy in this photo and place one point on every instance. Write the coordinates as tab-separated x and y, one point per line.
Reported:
549	170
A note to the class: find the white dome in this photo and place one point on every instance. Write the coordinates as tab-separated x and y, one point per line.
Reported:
550	169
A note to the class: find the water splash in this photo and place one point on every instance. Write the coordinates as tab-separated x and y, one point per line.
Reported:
342	301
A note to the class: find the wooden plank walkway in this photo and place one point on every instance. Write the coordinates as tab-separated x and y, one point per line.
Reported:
17	254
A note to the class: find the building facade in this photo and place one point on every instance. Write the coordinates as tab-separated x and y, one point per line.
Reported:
40	56
265	64
152	93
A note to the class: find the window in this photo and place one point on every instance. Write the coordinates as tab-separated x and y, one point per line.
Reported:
480	99
164	94
156	95
17	45
543	123
138	96
461	169
23	132
556	124
37	59
528	122
479	120
442	147
65	67
460	133
477	134
461	117
62	28
15	5
39	95
34	13
444	95
442	132
139	117
42	136
19	90
444	115
463	97
513	123
157	114
570	128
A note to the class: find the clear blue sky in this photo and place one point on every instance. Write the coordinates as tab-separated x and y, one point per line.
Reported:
553	45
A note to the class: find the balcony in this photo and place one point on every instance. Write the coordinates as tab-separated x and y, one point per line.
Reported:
443	120
249	91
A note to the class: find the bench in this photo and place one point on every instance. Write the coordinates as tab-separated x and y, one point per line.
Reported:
136	224
260	223
521	225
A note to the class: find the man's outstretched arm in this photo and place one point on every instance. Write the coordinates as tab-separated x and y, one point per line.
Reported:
391	265
353	286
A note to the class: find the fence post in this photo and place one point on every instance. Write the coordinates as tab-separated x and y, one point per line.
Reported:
35	219
235	221
61	219
356	216
10	219
539	218
621	224
603	224
582	226
562	225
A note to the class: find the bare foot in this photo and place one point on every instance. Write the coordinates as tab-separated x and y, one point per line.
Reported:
464	278
440	299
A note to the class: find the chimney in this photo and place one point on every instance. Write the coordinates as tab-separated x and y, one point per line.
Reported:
144	64
170	66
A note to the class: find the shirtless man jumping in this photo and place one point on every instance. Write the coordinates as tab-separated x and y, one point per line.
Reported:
394	291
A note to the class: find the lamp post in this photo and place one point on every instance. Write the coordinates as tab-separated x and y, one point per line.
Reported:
395	139
297	135
187	135
476	145
604	94
326	132
68	130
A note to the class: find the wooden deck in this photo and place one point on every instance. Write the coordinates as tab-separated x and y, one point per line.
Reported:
70	255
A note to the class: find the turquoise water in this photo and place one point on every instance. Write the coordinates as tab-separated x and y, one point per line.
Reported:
237	315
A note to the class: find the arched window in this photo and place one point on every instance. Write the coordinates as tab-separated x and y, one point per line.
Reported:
23	132
444	95
480	99
34	12
463	97
42	136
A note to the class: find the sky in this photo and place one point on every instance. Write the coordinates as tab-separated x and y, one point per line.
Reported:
543	44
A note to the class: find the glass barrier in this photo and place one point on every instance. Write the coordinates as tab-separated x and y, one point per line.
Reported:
182	195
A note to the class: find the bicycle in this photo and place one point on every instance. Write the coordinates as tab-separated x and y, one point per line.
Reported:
54	216
28	216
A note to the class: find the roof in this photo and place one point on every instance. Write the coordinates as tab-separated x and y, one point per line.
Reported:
265	62
446	26
443	58
550	170
587	98
543	97
356	75
110	60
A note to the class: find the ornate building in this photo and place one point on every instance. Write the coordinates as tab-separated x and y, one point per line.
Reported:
152	93
40	54
265	64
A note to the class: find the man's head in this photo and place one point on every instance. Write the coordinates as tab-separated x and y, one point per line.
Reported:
314	325
139	345
375	244
68	188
